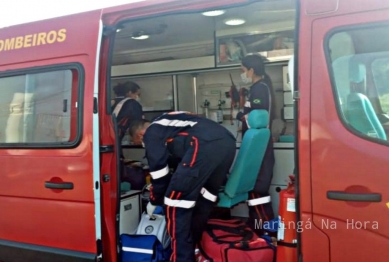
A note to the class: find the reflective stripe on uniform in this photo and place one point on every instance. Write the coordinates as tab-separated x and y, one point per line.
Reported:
180	123
258	201
179	203
138	250
160	173
207	195
119	106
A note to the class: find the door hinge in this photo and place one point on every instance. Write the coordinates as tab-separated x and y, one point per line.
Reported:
108	30
296	95
99	247
107	149
106	178
95	106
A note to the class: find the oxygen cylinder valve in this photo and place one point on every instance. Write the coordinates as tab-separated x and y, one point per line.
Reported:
220	103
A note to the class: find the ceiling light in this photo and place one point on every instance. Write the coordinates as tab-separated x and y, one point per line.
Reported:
141	37
213	13
235	21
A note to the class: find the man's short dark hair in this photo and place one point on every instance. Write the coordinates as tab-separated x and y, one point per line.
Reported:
136	125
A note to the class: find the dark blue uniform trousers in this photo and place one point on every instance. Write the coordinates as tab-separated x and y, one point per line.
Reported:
188	198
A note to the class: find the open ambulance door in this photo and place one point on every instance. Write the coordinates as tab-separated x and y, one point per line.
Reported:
49	140
343	140
110	163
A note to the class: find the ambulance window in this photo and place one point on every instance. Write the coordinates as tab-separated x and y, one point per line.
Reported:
39	108
380	70
359	67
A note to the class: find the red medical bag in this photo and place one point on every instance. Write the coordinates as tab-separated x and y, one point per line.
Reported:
233	241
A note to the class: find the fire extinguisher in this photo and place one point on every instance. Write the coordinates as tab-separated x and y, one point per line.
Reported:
287	231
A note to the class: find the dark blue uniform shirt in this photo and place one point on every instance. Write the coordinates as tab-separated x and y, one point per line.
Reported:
259	98
169	137
131	110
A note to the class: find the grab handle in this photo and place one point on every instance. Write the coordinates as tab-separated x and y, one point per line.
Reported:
363	197
59	185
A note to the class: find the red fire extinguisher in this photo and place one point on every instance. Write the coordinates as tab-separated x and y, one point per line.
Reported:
287	227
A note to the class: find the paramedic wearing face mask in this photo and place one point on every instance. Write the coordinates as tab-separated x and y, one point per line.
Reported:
206	150
126	106
260	97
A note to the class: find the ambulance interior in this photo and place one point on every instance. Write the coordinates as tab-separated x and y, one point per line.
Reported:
188	62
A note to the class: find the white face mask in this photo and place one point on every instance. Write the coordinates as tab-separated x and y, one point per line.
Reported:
245	79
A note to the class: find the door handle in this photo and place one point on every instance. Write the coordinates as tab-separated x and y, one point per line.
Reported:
362	197
59	185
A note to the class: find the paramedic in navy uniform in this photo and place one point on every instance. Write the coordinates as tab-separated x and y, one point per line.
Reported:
260	97
127	106
206	150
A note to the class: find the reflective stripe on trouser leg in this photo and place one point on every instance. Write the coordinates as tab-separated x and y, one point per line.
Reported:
257	204
171	225
207	195
258	201
179	203
179	217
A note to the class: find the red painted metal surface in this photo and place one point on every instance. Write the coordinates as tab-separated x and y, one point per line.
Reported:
330	156
108	165
33	214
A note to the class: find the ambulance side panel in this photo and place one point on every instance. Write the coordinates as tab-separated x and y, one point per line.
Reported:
343	159
48	185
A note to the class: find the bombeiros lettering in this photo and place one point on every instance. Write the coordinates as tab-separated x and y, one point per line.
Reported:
31	40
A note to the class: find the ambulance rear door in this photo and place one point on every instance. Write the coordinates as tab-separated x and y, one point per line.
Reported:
109	161
49	140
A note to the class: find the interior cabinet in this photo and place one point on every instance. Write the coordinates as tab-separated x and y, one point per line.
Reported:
272	45
284	166
130	211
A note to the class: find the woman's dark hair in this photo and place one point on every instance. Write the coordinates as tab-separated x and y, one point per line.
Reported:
256	63
122	89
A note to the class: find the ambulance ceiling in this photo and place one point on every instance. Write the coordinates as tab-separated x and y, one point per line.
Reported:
192	35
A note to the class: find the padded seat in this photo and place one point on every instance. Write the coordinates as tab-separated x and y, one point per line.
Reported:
360	113
362	117
248	162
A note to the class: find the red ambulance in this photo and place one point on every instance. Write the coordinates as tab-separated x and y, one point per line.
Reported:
59	190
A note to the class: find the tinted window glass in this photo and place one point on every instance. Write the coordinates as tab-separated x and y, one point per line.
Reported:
39	108
359	65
